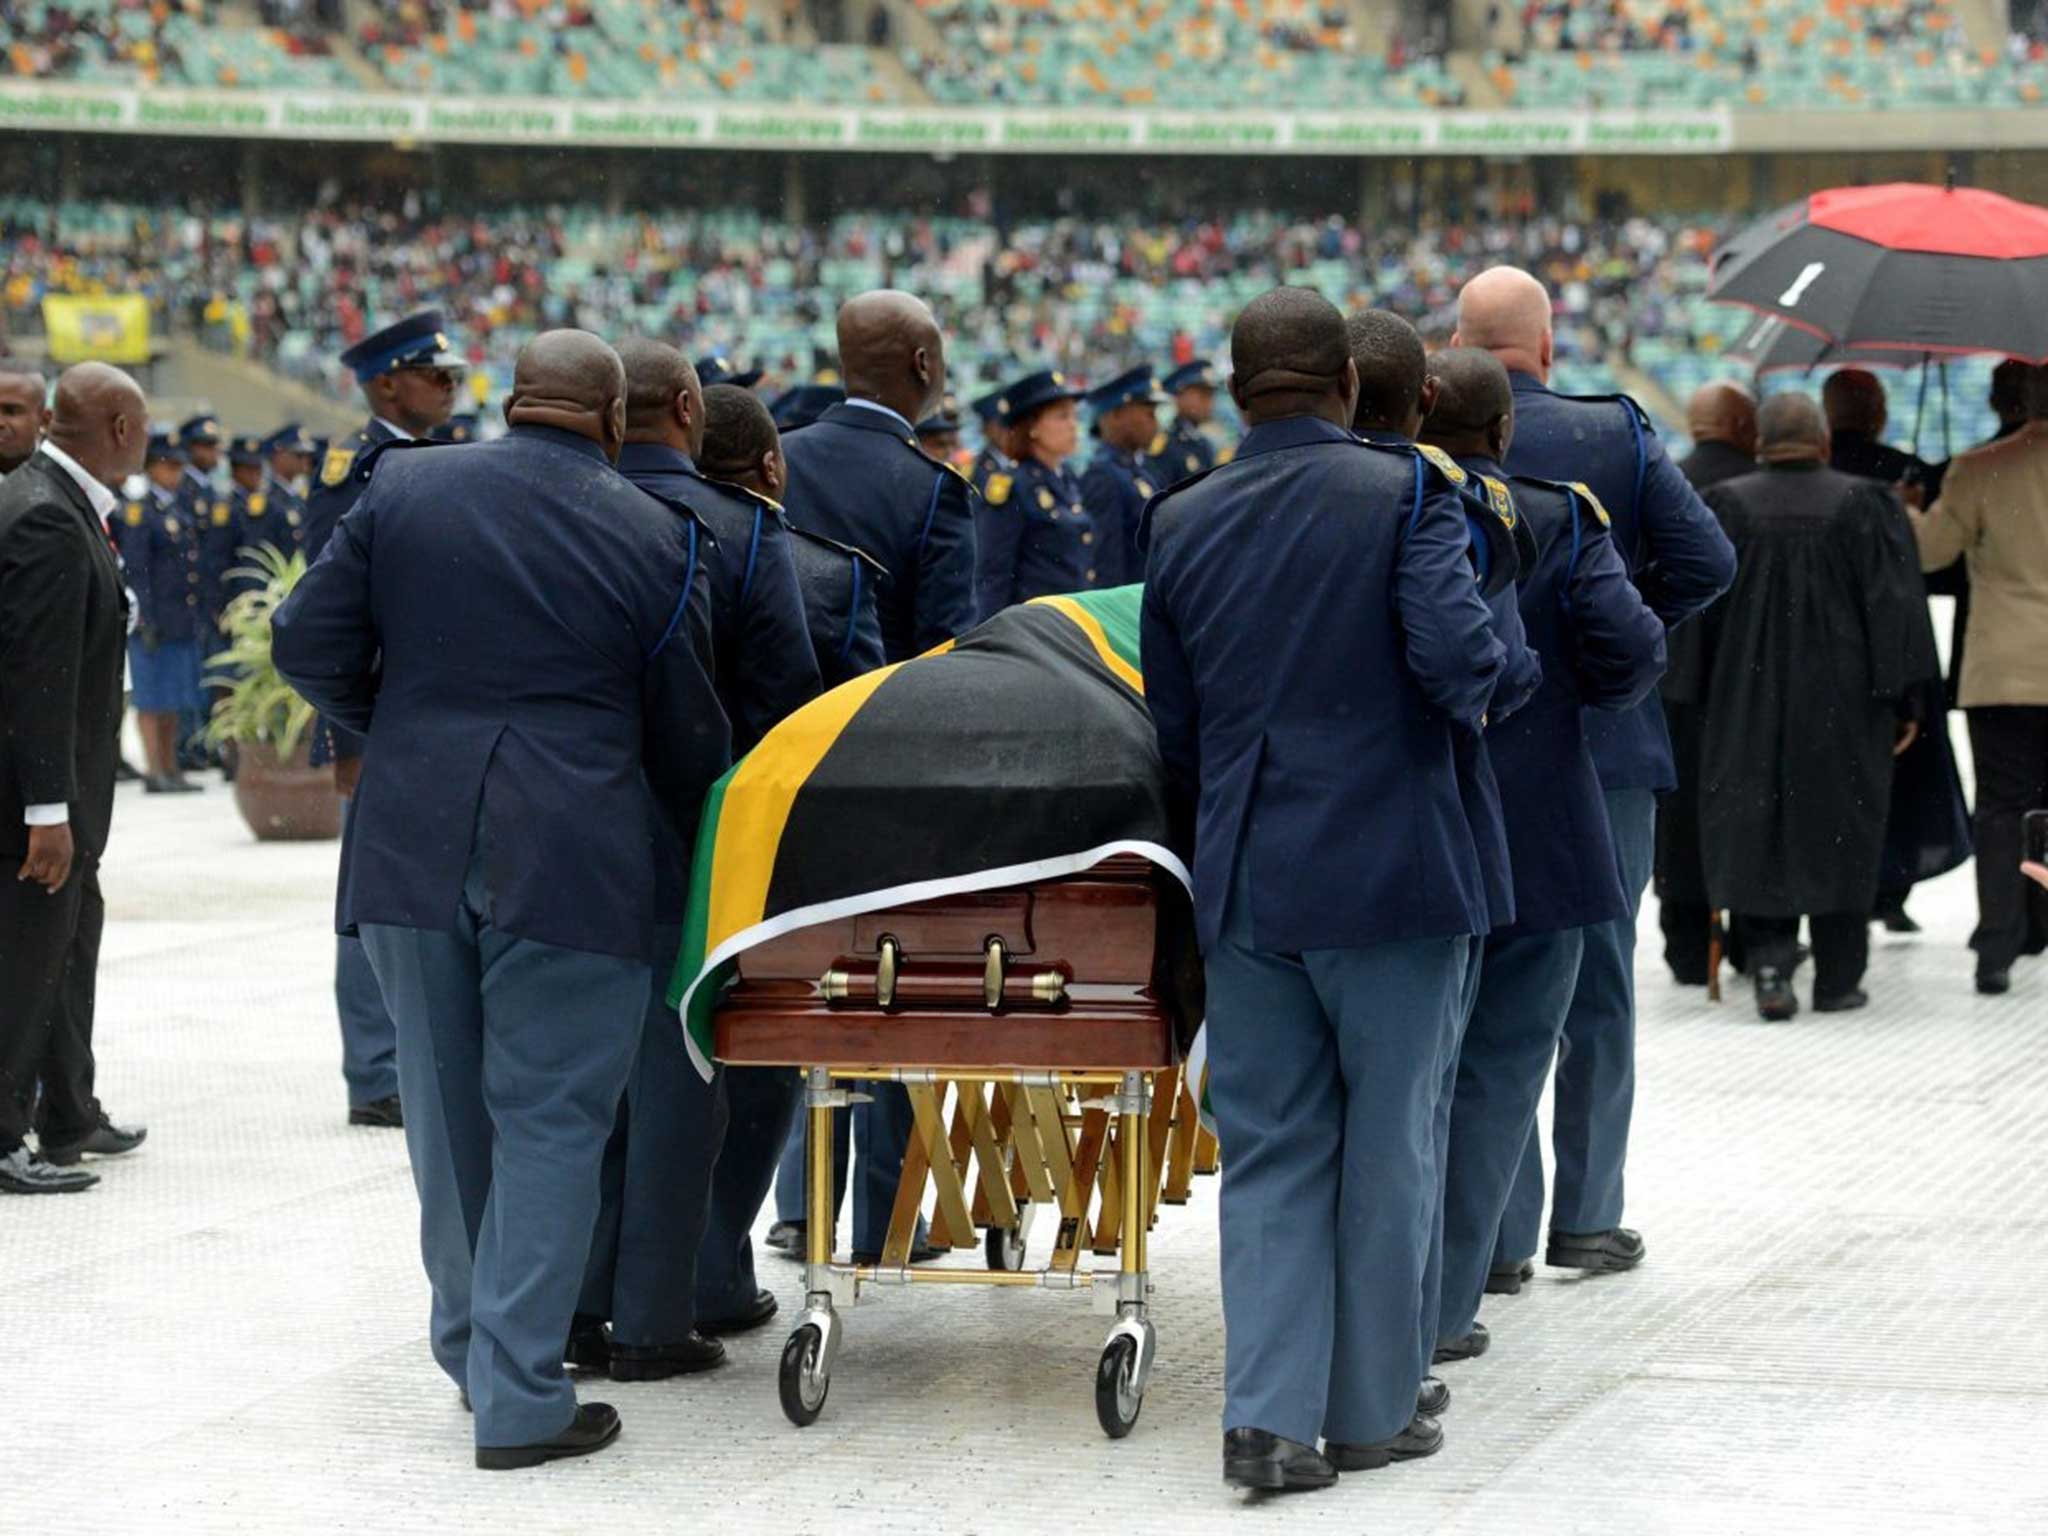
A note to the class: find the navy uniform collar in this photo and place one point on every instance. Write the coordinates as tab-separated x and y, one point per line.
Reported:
655	458
1386	439
1480	464
1291	432
871	417
1526	383
560	438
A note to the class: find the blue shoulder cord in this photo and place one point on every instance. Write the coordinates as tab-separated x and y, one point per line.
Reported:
753	550
1635	499
682	603
852	614
1415	512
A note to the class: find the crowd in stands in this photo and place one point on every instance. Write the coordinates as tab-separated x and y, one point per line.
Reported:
168	42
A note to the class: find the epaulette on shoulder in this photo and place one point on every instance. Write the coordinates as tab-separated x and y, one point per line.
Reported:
682	508
1500	498
341	457
1629	402
855	552
1578	490
1452	469
366	460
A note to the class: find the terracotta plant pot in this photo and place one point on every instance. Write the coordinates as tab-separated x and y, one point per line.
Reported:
284	800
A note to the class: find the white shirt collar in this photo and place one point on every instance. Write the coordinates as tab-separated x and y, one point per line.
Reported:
876	405
397	432
104	501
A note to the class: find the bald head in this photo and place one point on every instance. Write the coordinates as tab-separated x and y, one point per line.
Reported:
1854	401
1475	406
1723	412
891	352
1289	356
572	381
23	413
100	419
1791	430
1505	311
664	397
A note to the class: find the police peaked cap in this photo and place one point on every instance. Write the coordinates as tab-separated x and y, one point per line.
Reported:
417	341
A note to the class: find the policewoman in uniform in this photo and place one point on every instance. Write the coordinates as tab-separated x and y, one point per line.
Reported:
1305	673
408	374
1184	449
1680	561
1032	530
1118	481
1603	649
993	457
160	550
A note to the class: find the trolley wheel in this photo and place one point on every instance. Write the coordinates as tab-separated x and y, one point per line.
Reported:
1006	1247
801	1381
1117	1400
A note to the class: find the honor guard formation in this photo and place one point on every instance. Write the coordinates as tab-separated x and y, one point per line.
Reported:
1422	649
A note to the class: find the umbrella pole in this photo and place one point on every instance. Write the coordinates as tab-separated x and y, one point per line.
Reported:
1947	443
1920	410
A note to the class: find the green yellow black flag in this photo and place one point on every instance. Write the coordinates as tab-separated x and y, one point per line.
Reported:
1020	752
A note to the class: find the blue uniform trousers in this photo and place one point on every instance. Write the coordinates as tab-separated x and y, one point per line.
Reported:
1524	991
369	1041
1440	1142
1324	1069
761	1105
512	1056
882	1127
1596	1063
655	1182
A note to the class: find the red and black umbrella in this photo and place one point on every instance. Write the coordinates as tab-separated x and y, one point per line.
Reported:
1905	269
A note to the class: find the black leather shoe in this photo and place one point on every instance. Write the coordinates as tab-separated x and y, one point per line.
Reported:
595	1426
1600	1252
1689	975
1507	1279
787	1238
1434	1400
24	1173
1255	1458
764	1308
590	1345
1842	1002
385	1113
1995	983
170	784
1468	1347
1776	1003
658	1362
1899	920
104	1140
1423	1437
126	772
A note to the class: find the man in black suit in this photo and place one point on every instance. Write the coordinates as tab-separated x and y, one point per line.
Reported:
522	637
63	620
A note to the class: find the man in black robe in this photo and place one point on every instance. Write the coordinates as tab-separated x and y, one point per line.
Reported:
1721	419
1806	679
1927	832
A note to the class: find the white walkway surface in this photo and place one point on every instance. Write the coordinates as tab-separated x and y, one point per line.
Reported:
1840	1326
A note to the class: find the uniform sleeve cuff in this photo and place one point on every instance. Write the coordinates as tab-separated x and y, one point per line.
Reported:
46	815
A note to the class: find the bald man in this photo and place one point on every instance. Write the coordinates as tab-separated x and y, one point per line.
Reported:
524	639
1680	561
1721	418
63	622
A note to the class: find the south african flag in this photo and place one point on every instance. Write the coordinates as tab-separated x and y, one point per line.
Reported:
1020	752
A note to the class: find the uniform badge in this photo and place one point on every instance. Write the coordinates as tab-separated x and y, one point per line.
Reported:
1586	491
221	515
997	490
1158	446
1045	498
1453	472
258	505
292	518
171	526
1144	490
1193	463
134	514
334	468
1498	498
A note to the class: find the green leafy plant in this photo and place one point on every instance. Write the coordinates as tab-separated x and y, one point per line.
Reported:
259	705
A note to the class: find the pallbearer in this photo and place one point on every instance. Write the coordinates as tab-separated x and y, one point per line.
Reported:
1312	636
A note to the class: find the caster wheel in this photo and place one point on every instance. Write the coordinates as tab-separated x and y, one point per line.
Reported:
801	1382
1117	1401
1006	1247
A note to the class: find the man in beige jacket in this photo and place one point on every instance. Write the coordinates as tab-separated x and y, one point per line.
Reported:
1993	511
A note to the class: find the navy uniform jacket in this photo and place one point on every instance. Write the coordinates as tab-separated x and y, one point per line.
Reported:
991	461
1183	449
1311	636
283	522
1037	540
160	553
1603	649
856	475
841	587
1115	489
257	517
763	663
335	489
514	626
213	515
1674	549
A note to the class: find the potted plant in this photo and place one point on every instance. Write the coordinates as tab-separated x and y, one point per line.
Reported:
279	794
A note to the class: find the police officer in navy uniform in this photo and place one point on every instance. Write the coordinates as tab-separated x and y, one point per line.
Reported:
856	476
717	369
1035	536
1680	561
672	1129
1118	480
938	435
1603	649
1305	672
252	520
804	404
160	553
408	374
1184	449
206	511
289	461
993	458
459	428
525	638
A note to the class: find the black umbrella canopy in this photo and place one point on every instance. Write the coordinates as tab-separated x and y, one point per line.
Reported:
1904	269
1771	345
